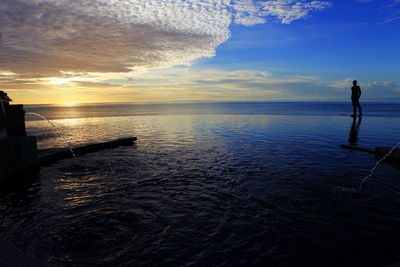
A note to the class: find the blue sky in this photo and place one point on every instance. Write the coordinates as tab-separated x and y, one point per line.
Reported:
350	39
55	51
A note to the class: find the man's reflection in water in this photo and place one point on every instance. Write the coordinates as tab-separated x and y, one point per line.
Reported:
353	137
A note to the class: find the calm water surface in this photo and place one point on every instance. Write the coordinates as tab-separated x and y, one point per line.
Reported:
211	184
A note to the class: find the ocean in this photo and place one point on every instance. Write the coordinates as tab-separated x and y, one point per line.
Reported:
211	184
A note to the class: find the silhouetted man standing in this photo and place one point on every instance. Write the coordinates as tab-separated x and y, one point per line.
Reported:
355	98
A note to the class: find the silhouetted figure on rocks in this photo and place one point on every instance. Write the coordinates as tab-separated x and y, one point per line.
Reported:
355	98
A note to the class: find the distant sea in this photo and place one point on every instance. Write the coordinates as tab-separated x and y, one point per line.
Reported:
211	184
226	108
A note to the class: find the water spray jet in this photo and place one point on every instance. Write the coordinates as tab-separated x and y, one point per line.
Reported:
55	127
18	152
389	154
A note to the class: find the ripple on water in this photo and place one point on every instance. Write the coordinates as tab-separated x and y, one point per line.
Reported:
209	190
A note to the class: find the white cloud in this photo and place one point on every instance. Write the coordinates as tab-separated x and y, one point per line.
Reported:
391	19
346	83
192	84
371	90
379	85
212	84
44	37
6	74
249	12
290	10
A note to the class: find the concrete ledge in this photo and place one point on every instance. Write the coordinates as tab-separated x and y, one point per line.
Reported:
12	169
18	149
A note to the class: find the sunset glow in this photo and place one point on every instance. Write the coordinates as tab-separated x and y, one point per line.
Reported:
157	51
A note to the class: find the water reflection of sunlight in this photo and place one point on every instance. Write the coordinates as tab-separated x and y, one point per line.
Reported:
71	122
78	193
74	201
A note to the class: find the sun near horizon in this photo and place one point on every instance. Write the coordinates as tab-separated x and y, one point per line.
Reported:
75	52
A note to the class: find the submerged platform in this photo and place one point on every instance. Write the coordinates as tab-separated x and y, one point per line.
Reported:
10	169
380	152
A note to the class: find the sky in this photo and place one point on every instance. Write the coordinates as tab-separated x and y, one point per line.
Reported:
85	51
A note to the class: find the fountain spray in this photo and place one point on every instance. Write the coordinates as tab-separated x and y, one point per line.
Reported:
377	163
58	131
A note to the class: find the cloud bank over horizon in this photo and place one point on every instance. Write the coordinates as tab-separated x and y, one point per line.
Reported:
42	38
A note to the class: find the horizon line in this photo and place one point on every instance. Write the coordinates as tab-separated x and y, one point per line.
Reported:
210	102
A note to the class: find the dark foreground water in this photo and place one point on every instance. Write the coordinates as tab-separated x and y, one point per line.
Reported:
211	185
